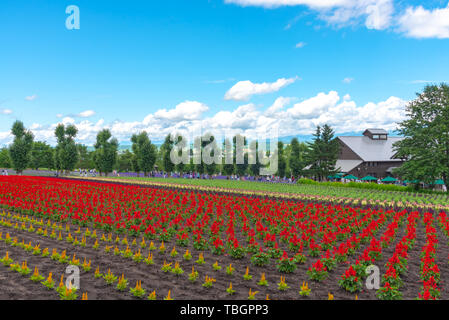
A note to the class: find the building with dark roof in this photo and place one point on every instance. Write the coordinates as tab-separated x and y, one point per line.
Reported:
371	154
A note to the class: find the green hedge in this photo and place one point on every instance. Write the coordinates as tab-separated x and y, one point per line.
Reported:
370	186
359	185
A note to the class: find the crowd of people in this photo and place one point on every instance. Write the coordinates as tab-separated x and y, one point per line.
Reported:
86	173
206	176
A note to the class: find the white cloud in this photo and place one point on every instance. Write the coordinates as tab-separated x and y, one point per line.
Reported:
348	80
379	14
279	3
313	107
376	13
278	105
244	90
6	111
87	130
5	138
219	81
419	22
383	113
68	120
188	118
86	114
413	22
300	45
188	110
244	117
31	98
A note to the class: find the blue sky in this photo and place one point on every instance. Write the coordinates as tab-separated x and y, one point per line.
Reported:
162	66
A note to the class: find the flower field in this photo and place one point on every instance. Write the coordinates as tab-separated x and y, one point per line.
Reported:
161	242
351	196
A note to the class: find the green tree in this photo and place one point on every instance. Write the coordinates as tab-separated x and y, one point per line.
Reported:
124	161
85	157
296	158
134	159
322	153
228	168
20	149
105	154
5	160
145	152
425	146
165	150
41	156
200	166
210	150
329	152
254	159
313	155
66	152
191	166
242	167
181	144
282	161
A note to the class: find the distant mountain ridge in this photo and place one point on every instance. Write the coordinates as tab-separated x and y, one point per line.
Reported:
285	140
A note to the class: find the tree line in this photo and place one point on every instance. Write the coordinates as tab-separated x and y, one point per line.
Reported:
315	159
424	149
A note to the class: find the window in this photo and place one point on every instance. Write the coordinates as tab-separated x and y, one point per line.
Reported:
379	137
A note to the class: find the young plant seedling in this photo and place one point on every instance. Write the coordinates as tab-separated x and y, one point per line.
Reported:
252	294
263	281
152	295
49	283
247	276
137	291
36	277
193	276
282	285
110	278
200	260
216	266
305	290
122	283
229	290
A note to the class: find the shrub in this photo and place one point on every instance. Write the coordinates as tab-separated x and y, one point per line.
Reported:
260	259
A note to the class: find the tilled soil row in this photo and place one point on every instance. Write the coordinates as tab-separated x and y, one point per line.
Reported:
154	279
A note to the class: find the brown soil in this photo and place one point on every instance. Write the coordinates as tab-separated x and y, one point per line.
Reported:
15	286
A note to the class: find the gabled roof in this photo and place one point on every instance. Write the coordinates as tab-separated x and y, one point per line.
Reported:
376	131
372	150
347	165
